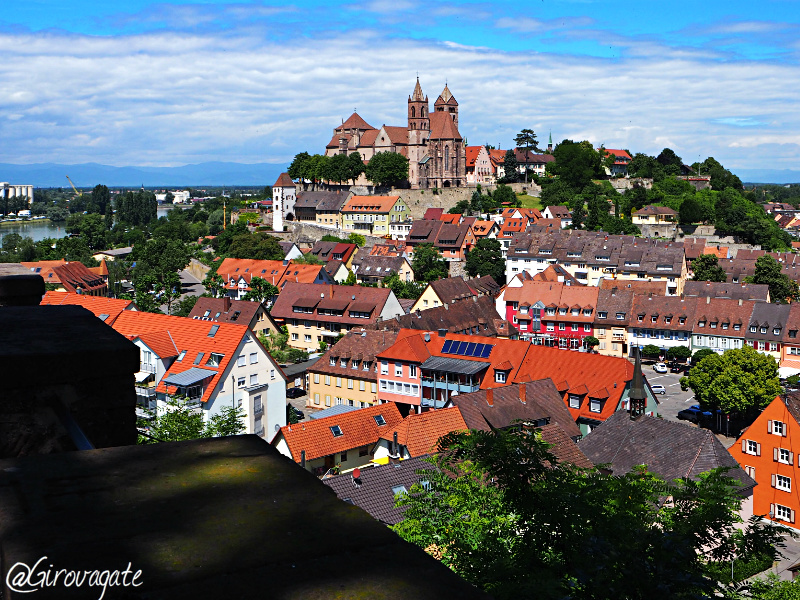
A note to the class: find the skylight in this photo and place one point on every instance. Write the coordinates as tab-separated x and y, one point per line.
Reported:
379	420
213	331
336	431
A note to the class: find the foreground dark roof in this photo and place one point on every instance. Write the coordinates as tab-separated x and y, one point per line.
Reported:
210	506
229	311
372	491
669	449
745	291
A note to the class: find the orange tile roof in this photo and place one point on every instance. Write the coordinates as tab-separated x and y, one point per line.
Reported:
45	269
354	121
161	343
419	433
482	228
594	374
284	181
359	428
370	204
190	335
718	251
99	305
273	271
102	270
472	153
448	218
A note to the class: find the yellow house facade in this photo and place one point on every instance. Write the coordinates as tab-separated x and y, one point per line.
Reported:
373	214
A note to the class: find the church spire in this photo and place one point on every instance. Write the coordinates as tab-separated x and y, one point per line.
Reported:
637	397
417	96
446	95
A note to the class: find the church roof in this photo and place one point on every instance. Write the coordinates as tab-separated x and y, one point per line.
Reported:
354	121
446	97
368	138
334	143
397	135
417	95
443	127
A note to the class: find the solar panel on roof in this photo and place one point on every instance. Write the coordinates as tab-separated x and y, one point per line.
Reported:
478	350
456	349
470	351
447	346
486	351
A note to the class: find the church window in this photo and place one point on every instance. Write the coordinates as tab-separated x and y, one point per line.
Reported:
413	112
446	158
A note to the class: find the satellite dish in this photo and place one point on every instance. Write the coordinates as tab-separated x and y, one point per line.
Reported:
356	473
277	427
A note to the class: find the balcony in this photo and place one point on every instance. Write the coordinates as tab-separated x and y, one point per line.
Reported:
147	367
453	386
258	410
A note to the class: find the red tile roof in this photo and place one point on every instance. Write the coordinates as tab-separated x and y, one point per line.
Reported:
419	433
433	214
189	335
273	271
370	204
284	181
443	127
354	121
359	428
598	374
99	305
472	153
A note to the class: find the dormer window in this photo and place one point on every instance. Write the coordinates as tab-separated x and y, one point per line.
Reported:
640	318
753	329
737	327
602	315
682	320
713	324
562	311
667	320
333	361
701	324
776	331
620	316
654	319
763	330
500	376
724	325
551	311
576	312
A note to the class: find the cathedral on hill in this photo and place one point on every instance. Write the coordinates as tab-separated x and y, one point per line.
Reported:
431	141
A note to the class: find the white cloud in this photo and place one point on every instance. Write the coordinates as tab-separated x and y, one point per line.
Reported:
169	99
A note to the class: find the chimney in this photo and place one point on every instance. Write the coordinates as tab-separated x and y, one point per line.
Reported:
523	389
427	337
475	299
226	303
446	306
490	397
395	453
442	332
303	458
740	301
708	299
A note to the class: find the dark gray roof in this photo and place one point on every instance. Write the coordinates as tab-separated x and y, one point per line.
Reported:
297	368
320	201
454	365
669	449
372	491
189	377
542	401
745	291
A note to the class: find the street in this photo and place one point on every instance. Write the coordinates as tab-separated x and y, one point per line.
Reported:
675	399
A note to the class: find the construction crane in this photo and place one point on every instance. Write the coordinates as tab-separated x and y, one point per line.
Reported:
77	193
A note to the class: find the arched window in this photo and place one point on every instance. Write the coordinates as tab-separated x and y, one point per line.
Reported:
446	158
422	112
413	112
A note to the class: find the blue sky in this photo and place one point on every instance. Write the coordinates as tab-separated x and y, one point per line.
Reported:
135	82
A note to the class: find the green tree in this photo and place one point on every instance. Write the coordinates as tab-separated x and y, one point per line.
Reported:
740	381
297	170
486	258
101	200
500	510
706	268
700	355
576	164
510	172
351	279
355	166
505	196
679	352
177	421
591	342
387	169
410	290
690	211
526	139
357	239
261	290
428	265
772	588
214	285
308	259
781	288
185	306
651	351
256	246
669	158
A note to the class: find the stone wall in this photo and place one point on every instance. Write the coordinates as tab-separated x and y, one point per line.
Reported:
625	183
63	359
197	269
306	232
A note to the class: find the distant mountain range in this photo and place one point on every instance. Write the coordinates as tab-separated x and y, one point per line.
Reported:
218	174
768	175
88	175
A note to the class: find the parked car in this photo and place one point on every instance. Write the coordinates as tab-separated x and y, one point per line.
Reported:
677	368
660	368
658	389
694	414
295	392
299	414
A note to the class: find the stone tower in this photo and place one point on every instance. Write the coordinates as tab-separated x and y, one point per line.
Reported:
419	123
446	102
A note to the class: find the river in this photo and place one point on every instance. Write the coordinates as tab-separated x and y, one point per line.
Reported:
38	230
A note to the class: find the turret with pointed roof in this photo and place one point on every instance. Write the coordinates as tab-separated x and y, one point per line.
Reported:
637	397
446	102
419	123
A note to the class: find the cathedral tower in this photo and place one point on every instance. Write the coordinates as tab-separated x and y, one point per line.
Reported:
446	102
418	118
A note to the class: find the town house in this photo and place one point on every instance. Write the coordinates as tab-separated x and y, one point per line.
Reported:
662	321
